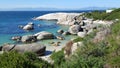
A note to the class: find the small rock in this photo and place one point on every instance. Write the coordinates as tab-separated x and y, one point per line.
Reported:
60	31
59	37
56	44
16	38
29	26
66	33
81	34
21	26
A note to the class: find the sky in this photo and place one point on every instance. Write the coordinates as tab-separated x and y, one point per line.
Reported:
71	4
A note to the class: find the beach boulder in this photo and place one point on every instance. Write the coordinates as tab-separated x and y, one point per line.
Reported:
22	48
60	31
29	26
44	35
74	29
28	38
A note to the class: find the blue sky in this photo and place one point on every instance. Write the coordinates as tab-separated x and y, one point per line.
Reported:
72	4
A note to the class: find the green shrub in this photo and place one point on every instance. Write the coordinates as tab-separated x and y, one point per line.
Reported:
58	57
16	60
78	39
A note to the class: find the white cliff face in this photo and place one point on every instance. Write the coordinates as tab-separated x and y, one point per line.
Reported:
62	18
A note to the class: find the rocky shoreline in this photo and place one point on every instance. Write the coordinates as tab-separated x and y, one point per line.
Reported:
78	25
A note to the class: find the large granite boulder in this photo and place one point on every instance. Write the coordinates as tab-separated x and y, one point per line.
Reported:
29	26
28	38
44	35
74	29
22	48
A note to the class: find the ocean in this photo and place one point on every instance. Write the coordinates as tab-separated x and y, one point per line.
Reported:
10	20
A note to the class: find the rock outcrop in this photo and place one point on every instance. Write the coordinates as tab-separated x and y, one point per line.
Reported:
22	48
61	18
44	35
74	29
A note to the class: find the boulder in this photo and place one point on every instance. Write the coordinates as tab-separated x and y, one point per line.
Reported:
16	38
71	48
67	49
60	38
8	47
66	33
44	35
60	31
29	26
28	38
81	34
74	29
22	48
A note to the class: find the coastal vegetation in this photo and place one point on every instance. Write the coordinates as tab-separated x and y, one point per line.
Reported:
103	54
14	59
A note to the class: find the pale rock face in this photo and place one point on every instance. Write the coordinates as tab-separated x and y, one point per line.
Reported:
74	29
62	18
81	34
75	47
108	23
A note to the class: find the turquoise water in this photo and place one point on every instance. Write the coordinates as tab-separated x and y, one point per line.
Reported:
10	20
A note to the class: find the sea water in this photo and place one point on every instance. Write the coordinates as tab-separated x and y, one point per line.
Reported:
10	20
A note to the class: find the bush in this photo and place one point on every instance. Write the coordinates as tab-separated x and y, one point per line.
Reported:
16	60
58	57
